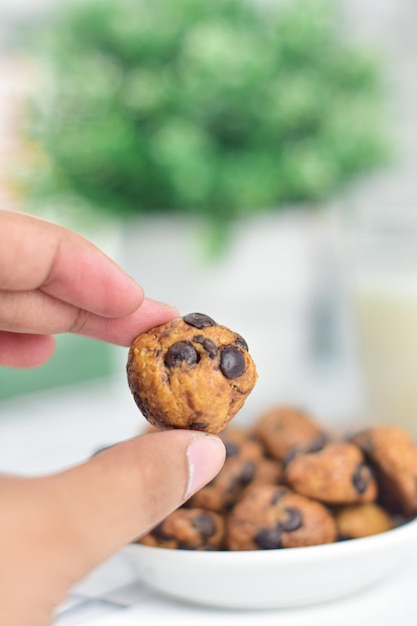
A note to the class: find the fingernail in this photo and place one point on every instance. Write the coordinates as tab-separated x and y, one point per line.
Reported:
205	455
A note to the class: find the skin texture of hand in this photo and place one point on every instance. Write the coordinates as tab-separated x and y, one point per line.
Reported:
55	529
52	281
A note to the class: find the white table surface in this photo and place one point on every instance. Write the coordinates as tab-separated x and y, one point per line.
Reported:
48	431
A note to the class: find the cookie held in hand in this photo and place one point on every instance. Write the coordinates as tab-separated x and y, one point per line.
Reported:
190	373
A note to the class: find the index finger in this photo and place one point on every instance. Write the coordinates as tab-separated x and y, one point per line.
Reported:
37	254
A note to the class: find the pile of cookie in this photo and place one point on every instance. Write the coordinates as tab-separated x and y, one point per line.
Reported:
288	482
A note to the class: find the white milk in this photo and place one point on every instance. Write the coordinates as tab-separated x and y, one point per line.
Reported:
385	308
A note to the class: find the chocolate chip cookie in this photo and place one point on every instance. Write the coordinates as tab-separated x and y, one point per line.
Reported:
187	529
362	520
393	454
284	430
269	517
190	373
337	474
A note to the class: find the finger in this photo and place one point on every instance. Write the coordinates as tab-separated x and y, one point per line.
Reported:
124	491
25	351
37	312
64	265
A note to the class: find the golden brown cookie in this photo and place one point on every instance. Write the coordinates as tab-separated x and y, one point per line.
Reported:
337	474
190	373
362	520
393	454
187	529
221	493
284	430
269	517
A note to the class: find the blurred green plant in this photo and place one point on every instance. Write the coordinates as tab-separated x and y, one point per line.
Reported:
218	108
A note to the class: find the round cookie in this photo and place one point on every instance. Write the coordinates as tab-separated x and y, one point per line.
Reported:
393	455
269	517
284	430
187	529
221	493
190	373
337	474
361	520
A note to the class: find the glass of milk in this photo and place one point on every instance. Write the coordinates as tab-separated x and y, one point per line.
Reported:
383	288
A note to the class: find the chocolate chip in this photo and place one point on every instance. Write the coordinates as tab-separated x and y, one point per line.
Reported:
182	545
341	537
293	521
210	348
233	485
291	454
199	320
212	481
248	473
180	352
232	449
317	444
268	538
314	446
232	362
208	345
194	425
205	525
159	533
239	341
360	478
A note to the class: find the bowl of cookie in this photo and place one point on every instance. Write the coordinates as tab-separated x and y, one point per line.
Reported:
298	515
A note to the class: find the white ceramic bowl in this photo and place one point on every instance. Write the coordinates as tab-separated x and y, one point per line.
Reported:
265	579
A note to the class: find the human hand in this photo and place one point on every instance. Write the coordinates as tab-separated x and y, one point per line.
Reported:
52	280
55	529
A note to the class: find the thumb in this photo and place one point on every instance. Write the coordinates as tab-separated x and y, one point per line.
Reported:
125	490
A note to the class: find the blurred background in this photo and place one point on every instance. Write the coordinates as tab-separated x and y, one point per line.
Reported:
255	161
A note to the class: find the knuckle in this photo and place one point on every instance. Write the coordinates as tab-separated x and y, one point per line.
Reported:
79	322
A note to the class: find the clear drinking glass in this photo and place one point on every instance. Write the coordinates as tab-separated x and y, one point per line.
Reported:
383	288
